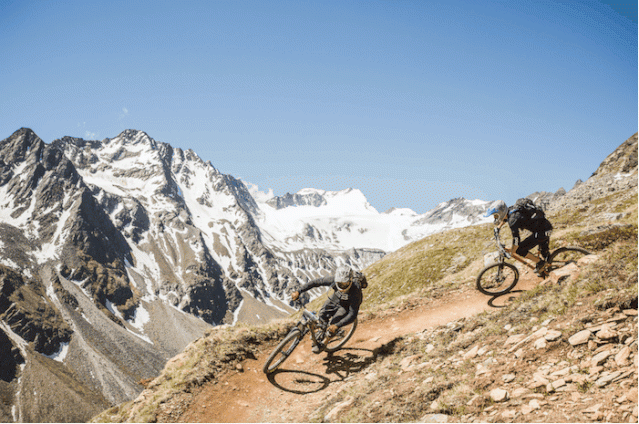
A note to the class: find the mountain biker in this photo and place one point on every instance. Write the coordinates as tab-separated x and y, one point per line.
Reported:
342	306
519	217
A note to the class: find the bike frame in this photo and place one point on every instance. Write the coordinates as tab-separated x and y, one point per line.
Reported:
508	253
309	323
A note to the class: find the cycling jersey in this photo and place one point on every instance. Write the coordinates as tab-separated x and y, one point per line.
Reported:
539	226
341	308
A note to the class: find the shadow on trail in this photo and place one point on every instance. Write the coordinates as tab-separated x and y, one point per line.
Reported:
340	364
503	300
344	363
298	382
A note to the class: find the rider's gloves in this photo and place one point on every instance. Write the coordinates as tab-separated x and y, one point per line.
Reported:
295	295
332	329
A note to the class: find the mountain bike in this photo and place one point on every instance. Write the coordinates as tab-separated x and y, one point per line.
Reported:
501	277
309	323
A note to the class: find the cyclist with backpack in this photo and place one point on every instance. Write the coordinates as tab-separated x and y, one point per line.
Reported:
342	306
525	215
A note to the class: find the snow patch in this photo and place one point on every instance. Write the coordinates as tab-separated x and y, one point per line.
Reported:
61	353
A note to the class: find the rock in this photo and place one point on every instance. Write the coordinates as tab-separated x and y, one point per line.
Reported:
630	312
540	377
605	379
558	383
434	418
471	353
481	369
499	395
570	271
536	384
514	339
561	372
239	367
526	409
508	378
579	338
552	335
593	409
621	358
519	392
600	358
508	414
586	260
534	404
540	343
577	378
334	413
606	333
593	371
539	333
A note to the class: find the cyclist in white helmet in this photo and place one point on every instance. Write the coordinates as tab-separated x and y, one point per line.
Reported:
342	306
532	219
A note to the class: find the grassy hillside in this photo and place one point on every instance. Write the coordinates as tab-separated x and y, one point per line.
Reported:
430	268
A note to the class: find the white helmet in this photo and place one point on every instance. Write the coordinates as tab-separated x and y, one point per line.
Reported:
343	278
499	211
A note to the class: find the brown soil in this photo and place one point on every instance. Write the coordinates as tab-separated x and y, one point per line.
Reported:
305	380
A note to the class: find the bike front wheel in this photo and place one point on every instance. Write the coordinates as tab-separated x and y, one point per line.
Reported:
497	279
343	335
565	256
282	351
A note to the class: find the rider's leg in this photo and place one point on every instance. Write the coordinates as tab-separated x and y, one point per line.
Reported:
325	313
525	246
544	246
338	315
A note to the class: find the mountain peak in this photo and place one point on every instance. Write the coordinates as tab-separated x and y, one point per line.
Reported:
622	160
134	137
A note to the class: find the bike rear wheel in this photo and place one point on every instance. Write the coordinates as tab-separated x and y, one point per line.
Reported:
343	335
282	351
565	256
497	279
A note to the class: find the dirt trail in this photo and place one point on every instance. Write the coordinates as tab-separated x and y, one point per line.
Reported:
305	380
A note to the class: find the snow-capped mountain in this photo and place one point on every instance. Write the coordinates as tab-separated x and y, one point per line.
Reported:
127	248
344	219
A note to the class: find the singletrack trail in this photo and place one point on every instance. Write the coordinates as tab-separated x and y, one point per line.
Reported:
305	380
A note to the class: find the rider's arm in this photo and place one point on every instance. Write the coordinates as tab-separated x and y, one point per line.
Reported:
319	282
514	224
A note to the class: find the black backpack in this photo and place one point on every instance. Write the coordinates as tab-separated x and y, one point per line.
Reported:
528	208
360	278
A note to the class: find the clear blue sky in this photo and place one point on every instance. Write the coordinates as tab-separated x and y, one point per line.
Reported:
412	102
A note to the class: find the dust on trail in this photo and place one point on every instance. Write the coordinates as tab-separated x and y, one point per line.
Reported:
305	380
